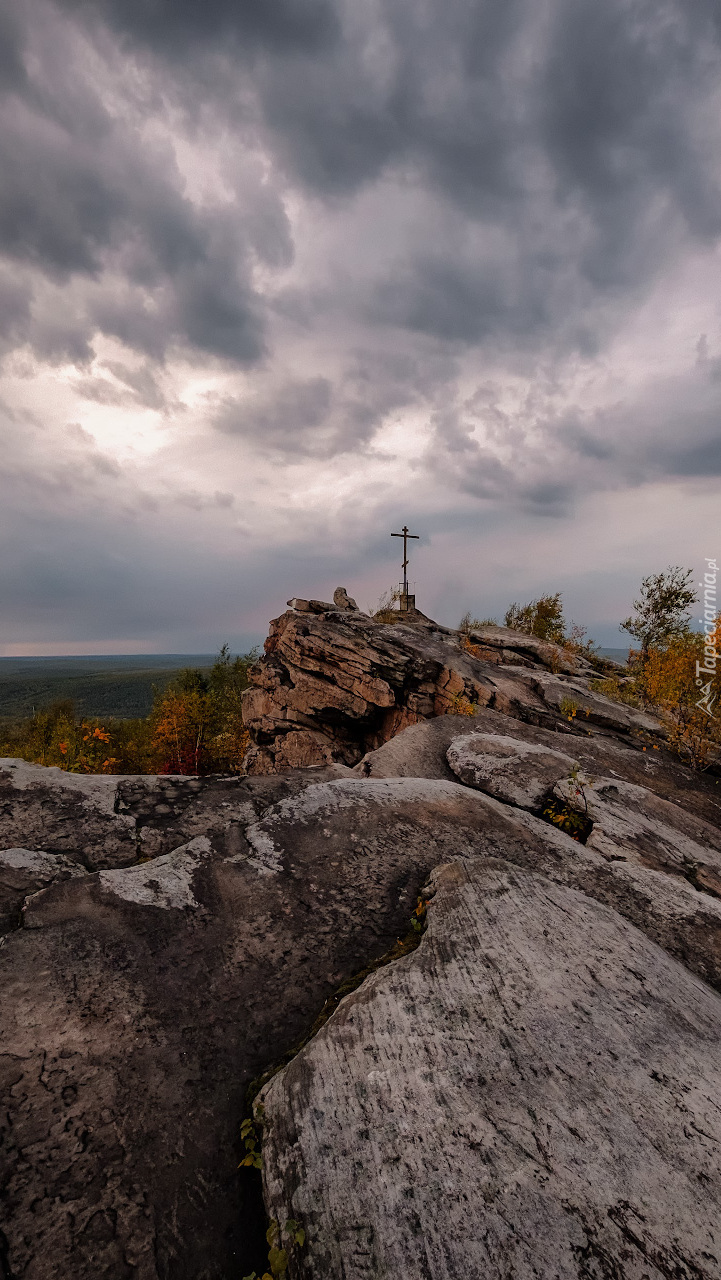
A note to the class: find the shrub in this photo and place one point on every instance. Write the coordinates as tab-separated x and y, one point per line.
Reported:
668	682
197	721
467	623
56	736
542	618
661	611
384	610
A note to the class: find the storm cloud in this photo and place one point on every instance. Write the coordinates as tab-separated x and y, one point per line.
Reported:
276	274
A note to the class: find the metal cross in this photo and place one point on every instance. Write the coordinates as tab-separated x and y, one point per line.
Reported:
405	535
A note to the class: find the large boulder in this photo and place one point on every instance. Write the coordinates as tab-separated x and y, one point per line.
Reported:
24	872
140	1002
421	751
537	1098
621	820
518	772
98	821
334	684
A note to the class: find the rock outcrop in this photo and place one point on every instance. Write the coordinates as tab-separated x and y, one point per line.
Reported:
539	1098
334	683
533	1091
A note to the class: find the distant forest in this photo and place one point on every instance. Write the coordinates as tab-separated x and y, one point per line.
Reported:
118	686
88	717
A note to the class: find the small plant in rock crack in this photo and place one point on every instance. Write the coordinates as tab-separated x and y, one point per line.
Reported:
578	785
573	818
282	1244
418	919
250	1133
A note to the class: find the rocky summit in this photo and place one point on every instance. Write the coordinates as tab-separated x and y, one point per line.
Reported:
531	1091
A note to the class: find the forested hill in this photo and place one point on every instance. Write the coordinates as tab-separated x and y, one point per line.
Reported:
114	685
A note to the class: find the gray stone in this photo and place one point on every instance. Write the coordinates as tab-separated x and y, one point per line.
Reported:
631	822
420	751
25	871
218	915
342	600
518	772
538	1097
144	1000
105	821
334	684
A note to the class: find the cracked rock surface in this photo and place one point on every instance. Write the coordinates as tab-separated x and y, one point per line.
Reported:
538	1097
533	1092
139	1002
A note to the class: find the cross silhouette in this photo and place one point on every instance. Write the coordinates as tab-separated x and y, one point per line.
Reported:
405	535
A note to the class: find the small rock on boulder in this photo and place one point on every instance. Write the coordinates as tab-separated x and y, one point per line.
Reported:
342	600
24	872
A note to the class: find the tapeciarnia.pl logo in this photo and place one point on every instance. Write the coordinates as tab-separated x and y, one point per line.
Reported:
708	622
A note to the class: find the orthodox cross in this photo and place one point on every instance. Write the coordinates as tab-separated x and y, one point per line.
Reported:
405	535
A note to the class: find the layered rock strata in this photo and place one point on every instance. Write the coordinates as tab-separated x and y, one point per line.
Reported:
334	684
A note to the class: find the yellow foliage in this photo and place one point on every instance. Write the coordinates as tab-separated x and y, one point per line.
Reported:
674	680
460	705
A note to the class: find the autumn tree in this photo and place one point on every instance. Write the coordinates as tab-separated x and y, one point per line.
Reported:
661	612
228	679
181	725
55	736
197	720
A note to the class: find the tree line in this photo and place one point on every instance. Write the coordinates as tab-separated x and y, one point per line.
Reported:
195	727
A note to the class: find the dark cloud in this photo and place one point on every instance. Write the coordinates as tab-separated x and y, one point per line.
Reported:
702	459
141	382
437	296
83	198
12	69
668	431
300	417
183	28
325	230
587	443
573	144
15	300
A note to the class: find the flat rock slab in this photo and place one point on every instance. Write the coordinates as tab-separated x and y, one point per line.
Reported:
103	821
533	1093
139	1001
420	751
514	771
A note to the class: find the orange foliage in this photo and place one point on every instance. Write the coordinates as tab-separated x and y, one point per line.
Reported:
181	723
673	681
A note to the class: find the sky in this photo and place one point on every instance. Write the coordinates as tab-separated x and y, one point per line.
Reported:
280	276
